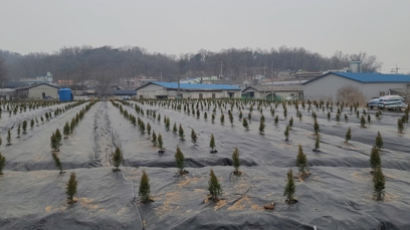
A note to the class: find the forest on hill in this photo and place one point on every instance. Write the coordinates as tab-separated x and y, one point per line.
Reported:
108	63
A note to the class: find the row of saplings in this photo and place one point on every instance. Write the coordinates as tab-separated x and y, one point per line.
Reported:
47	116
214	187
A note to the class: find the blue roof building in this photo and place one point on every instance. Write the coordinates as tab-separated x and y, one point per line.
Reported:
359	87
157	89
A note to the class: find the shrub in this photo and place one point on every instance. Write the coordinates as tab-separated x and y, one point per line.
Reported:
71	188
379	140
348	135
236	161
116	159
290	188
2	163
378	184
214	188
144	189
148	129
222	119
18	131
276	119
291	122
174	128
179	159
57	162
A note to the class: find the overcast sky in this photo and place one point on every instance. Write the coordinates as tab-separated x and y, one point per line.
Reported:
378	27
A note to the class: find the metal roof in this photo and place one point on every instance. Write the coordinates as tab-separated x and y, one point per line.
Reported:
189	86
369	77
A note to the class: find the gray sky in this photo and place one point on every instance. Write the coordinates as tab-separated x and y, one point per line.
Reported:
378	27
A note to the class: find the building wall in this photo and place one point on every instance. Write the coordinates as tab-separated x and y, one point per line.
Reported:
37	92
153	91
327	88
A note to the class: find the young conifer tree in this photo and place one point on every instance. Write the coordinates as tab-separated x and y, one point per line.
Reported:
375	160
236	161
378	184
379	140
179	159
154	138
144	189
194	137
212	144
262	126
290	188
117	159
2	163
245	123
348	135
317	144
57	162
160	144
301	161
400	126
214	187
71	188
286	133
181	133
9	137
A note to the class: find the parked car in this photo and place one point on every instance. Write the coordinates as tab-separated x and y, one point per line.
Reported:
373	103
392	102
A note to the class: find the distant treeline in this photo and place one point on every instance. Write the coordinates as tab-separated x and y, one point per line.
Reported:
107	63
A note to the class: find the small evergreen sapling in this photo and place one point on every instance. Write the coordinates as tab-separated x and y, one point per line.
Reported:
194	137
160	144
236	162
116	159
24	127
2	163
276	120
379	141
9	137
262	126
400	126
316	127
66	130
57	162
214	187
378	184
362	122
144	189
317	144
290	188
301	162
212	144
179	159
71	188
181	133
348	135
154	138
375	160
286	133
245	123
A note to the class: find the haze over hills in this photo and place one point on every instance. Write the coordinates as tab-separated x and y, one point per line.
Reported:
108	63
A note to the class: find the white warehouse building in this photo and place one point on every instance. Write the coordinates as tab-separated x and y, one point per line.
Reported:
164	90
370	85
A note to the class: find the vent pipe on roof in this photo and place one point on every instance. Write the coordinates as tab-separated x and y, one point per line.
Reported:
355	66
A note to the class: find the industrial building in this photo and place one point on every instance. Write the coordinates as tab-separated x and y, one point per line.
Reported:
163	90
329	85
38	91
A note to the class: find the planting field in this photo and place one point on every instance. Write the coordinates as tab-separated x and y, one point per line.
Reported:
337	191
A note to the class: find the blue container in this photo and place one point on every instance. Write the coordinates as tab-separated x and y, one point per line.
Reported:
65	94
